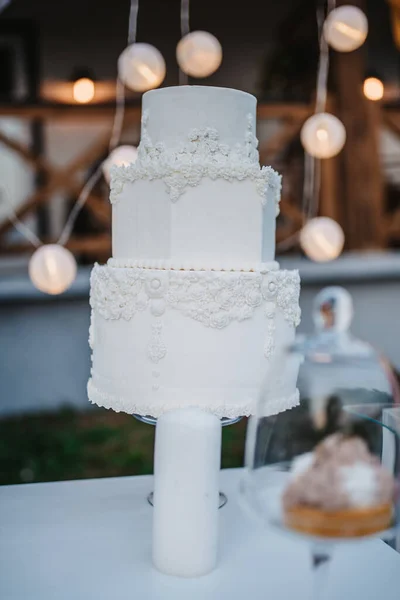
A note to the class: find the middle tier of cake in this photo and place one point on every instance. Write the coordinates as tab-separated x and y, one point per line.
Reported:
174	338
214	221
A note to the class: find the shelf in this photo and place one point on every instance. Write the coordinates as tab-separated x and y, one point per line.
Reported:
132	111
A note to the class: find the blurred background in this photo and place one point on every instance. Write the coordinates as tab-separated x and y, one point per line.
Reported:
54	135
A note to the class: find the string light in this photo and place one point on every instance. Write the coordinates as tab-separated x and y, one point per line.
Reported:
199	54
323	135
315	136
373	88
52	268
322	239
83	90
346	28
120	156
141	67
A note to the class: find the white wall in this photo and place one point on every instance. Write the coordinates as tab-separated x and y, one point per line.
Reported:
16	177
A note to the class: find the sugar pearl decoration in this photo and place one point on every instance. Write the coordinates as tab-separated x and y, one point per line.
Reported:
120	156
52	268
199	54
346	28
322	239
323	135
141	67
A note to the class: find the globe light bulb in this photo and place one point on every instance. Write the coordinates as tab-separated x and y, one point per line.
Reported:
323	135
322	239
373	88
52	269
346	28
83	90
199	54
120	156
141	67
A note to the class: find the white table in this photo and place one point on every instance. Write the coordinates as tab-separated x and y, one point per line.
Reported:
85	540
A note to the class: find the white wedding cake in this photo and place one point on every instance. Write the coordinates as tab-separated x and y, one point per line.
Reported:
192	309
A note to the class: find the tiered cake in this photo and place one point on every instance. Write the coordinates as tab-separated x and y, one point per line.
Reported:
192	308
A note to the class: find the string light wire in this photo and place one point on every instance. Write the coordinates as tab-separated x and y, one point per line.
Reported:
79	204
133	18
115	137
119	115
323	63
185	29
312	166
18	224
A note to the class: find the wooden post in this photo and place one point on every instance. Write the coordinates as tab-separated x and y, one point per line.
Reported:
362	198
38	151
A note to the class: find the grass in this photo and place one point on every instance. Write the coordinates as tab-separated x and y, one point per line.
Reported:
99	443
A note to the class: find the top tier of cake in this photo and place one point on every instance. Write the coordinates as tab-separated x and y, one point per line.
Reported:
196	196
176	111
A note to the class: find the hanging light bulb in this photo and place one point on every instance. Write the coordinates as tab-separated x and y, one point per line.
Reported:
346	28
199	54
323	135
141	67
373	88
322	239
83	90
120	156
52	268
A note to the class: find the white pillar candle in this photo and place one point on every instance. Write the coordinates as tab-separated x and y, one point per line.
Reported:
187	458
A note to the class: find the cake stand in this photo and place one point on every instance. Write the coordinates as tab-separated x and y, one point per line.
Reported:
223	499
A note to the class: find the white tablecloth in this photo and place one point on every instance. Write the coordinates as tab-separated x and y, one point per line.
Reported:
85	540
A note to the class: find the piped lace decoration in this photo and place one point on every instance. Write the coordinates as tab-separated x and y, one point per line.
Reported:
91	330
157	349
213	299
202	155
131	405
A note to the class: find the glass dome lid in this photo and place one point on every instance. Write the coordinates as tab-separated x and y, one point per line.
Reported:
335	371
332	316
357	370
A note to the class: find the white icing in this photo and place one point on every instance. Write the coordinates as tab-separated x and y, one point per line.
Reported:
177	110
200	155
269	345
215	222
190	311
129	403
198	144
91	330
190	324
360	484
214	299
156	349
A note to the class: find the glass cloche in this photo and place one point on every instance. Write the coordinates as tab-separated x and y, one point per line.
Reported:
328	469
335	370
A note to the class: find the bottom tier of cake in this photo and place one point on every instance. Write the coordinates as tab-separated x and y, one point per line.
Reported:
165	339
